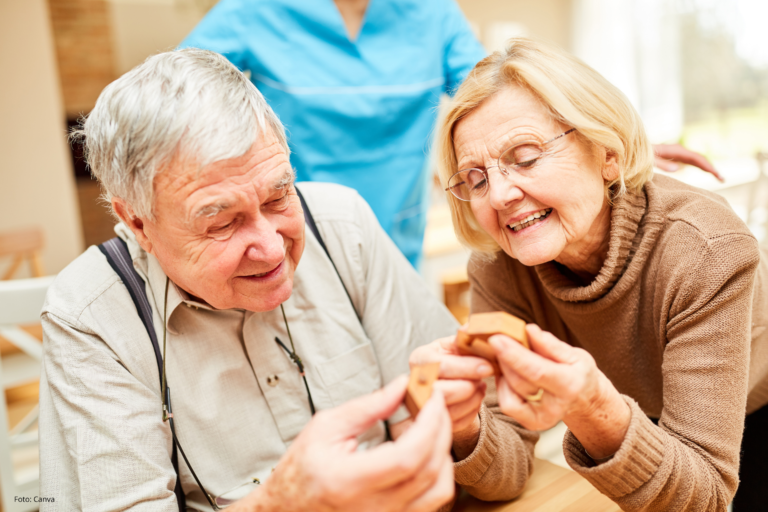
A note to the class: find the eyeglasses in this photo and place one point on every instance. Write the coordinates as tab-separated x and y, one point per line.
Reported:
472	184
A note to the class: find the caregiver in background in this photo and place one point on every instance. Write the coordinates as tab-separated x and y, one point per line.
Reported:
357	84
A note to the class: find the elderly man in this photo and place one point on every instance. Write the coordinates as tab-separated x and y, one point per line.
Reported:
195	165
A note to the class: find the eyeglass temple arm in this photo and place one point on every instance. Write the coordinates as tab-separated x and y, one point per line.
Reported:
561	135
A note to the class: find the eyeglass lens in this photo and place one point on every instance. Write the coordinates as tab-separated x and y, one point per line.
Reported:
471	184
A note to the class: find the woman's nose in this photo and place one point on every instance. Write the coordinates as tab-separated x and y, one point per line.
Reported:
502	189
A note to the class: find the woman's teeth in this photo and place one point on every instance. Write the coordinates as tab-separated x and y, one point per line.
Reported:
530	220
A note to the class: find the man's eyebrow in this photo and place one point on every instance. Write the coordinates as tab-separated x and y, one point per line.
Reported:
288	177
211	210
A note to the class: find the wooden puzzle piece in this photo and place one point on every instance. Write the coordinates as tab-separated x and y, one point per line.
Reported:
469	346
473	340
484	325
419	390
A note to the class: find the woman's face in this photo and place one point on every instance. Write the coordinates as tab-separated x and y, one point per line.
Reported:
565	186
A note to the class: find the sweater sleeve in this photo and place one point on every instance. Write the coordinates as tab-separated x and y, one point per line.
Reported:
690	460
502	461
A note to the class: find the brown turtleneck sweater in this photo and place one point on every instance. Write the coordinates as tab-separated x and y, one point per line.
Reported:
676	319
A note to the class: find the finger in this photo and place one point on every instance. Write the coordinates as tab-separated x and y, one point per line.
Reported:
429	353
463	414
424	475
452	364
397	429
464	367
468	407
530	366
519	385
692	158
358	415
437	479
547	345
440	493
510	403
666	165
448	344
456	391
704	164
678	153
391	463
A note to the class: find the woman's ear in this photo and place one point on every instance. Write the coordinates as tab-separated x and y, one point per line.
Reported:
610	165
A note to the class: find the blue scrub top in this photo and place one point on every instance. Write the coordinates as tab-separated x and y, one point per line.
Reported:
359	113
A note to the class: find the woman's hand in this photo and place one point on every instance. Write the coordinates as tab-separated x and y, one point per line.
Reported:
461	382
572	388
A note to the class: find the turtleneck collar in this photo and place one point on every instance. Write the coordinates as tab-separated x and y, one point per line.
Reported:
628	233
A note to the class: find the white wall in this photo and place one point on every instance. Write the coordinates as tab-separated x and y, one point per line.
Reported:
36	180
634	44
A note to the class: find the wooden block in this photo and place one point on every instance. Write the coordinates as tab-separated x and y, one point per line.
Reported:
469	346
472	340
463	341
420	386
484	325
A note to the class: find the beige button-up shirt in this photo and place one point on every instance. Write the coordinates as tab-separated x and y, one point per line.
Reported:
238	399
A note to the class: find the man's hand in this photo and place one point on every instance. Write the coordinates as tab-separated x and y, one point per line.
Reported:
669	156
322	471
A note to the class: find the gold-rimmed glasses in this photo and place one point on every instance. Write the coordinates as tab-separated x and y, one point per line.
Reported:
472	184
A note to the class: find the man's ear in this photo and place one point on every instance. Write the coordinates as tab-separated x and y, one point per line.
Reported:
134	222
610	165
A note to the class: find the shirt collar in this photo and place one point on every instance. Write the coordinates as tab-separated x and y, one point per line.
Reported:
155	277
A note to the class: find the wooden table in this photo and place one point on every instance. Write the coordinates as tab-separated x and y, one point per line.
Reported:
550	489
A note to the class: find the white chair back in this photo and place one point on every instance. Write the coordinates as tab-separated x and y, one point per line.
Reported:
21	301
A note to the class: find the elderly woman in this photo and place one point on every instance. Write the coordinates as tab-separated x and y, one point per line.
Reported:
653	292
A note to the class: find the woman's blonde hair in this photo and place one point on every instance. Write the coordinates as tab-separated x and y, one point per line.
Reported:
575	94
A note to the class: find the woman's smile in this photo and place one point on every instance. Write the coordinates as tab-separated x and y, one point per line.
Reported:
529	221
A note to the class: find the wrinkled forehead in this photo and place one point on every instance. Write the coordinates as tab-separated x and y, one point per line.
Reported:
511	113
510	108
206	190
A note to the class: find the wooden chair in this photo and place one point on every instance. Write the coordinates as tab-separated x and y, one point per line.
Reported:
456	293
21	301
22	244
757	189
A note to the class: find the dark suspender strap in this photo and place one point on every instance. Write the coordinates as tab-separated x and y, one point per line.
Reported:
118	257
310	221
121	262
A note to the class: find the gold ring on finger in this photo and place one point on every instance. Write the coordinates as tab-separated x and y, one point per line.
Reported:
535	398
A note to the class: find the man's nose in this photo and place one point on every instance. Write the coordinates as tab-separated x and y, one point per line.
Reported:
502	188
267	243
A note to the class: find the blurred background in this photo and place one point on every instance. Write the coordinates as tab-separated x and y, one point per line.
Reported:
697	70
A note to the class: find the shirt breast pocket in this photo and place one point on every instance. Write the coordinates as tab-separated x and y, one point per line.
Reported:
351	374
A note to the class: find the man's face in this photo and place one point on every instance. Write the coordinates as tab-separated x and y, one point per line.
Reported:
232	233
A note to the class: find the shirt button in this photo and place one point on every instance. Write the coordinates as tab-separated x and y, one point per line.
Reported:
273	380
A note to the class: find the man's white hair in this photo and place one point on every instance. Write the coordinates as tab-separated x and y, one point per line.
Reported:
187	105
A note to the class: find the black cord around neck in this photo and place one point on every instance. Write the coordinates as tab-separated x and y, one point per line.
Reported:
296	359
